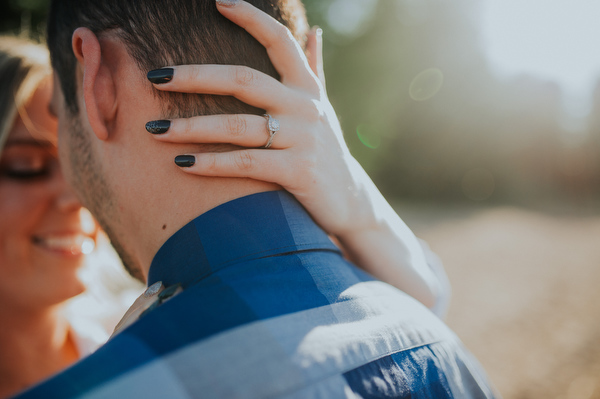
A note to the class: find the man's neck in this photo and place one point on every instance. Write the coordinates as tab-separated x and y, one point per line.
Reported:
180	200
151	198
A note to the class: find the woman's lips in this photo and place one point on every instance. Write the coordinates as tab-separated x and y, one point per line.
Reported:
66	244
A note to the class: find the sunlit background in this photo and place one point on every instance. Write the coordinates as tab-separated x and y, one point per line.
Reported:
480	121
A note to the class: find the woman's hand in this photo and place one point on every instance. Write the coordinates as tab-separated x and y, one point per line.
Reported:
308	155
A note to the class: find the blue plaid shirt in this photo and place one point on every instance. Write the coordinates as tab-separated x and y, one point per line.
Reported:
270	309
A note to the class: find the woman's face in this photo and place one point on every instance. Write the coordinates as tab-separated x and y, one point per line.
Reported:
44	231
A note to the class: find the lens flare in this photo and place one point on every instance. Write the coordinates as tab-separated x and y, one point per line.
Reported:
368	135
426	84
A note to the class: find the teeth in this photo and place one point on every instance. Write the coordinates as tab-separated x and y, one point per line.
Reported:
74	244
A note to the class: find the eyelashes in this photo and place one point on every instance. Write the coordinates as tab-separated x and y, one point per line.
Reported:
27	175
28	164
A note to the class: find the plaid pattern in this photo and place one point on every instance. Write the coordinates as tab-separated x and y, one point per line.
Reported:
270	309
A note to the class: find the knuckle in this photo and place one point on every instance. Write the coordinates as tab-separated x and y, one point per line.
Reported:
235	126
313	112
243	76
282	34
194	74
187	126
212	164
243	160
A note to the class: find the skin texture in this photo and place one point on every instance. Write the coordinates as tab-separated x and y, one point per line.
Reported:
36	205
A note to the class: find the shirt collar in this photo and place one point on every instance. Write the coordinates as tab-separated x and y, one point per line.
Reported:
257	226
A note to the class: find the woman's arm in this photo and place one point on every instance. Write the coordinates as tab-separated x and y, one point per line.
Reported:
308	156
389	250
382	251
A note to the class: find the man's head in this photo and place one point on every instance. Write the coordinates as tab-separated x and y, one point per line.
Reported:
159	33
107	100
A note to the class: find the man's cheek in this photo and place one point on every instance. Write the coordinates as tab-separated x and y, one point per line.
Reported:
63	152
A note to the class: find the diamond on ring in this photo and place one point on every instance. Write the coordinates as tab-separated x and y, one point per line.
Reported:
273	127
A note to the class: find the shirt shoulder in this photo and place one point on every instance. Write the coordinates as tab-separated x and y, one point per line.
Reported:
348	342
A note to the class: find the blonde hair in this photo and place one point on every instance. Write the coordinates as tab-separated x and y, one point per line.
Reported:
23	66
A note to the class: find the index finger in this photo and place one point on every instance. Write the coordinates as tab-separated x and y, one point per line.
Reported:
283	49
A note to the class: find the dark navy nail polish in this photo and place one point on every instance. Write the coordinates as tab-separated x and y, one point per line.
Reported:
185	161
158	127
162	75
153	289
227	3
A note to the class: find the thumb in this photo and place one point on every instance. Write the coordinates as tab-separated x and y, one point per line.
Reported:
314	52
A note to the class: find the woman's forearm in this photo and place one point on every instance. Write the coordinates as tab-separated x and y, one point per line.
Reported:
388	250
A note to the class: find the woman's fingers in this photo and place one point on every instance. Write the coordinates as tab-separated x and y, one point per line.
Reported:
258	164
244	83
284	51
242	130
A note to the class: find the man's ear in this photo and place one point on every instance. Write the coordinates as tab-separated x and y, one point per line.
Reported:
98	84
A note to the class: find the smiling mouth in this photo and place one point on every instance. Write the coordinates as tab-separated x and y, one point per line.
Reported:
68	244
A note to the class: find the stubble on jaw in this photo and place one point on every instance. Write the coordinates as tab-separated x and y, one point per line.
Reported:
87	178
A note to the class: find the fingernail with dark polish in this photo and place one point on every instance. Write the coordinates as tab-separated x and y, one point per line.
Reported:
162	75
153	289
185	161
227	3
158	127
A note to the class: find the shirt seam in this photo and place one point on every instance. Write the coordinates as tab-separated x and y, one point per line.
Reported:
315	246
249	258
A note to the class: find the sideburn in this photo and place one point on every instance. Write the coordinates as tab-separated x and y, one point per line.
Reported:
93	189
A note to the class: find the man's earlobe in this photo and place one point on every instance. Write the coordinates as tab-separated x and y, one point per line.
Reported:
98	85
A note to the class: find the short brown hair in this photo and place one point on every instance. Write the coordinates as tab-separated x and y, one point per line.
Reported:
158	33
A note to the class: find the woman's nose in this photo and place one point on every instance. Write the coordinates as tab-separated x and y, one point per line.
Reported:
66	200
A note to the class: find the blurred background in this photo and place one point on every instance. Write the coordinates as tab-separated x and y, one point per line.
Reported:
480	121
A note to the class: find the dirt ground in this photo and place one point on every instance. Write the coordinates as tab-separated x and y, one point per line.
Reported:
526	297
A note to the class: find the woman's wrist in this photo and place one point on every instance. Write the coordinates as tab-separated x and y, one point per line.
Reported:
366	208
378	240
